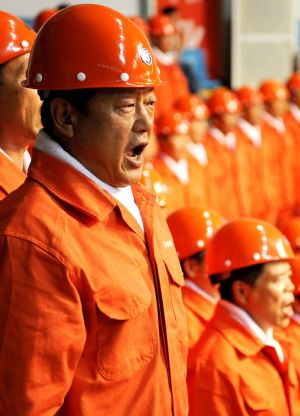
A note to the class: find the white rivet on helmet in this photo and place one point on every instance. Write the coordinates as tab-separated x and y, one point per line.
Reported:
24	43
227	263
124	77
256	256
39	77
81	76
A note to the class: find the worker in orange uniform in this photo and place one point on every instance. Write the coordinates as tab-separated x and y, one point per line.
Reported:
164	36
292	122
42	18
249	153
171	162
239	368
196	111
19	108
220	144
292	233
278	153
91	314
191	228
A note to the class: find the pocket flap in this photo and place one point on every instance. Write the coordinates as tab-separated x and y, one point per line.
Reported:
124	299
256	401
174	269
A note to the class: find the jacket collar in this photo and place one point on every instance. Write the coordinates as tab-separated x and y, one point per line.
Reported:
12	177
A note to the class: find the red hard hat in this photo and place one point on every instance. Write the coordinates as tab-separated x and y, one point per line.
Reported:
42	17
91	46
16	38
246	242
293	83
141	24
274	90
192	107
295	264
170	123
223	101
292	231
191	228
249	96
161	25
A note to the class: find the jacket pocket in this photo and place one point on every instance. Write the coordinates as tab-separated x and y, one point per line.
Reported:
125	334
257	402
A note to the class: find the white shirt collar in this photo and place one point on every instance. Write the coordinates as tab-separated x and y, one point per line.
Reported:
276	122
123	195
197	150
252	132
245	319
163	57
26	159
228	140
295	110
189	283
179	169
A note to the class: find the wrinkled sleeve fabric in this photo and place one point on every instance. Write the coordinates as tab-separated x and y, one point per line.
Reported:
42	331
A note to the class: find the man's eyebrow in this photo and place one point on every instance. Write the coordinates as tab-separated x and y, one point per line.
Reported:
130	91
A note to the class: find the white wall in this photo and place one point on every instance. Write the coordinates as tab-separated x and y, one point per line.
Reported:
28	9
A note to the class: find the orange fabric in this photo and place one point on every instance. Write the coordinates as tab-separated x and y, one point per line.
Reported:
174	88
293	333
91	314
250	184
223	194
293	127
199	311
198	184
11	177
234	374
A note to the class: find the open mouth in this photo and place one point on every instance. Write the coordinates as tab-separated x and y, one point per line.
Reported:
134	156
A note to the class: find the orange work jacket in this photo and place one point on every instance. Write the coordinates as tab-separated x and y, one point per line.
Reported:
293	333
198	183
293	127
235	374
11	177
91	314
223	193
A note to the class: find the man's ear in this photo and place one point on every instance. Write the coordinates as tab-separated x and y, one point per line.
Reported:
240	291
64	116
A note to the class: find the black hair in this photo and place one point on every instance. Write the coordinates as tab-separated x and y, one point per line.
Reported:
62	6
247	275
169	10
78	98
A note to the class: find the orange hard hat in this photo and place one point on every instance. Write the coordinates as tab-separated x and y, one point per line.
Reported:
42	17
91	46
192	107
141	24
161	25
249	95
246	242
292	231
295	264
170	123
293	83
191	228
153	181
223	101
16	38
273	90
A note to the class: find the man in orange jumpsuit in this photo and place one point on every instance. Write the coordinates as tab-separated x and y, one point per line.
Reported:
239	368
249	153
279	158
220	144
19	108
163	35
292	122
91	314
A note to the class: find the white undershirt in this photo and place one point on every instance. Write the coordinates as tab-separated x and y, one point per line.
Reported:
244	319
296	318
166	58
276	122
189	283
228	140
295	110
26	159
251	131
180	168
123	195
197	150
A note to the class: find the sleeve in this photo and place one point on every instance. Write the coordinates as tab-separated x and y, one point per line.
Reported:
42	331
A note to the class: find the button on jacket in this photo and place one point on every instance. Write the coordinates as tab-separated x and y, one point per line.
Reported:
91	314
234	373
11	177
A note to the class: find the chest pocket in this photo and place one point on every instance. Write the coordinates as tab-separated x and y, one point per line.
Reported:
258	403
125	334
